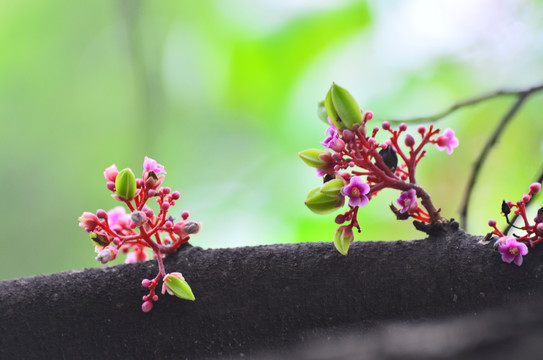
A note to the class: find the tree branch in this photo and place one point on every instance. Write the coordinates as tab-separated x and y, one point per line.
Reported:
483	155
465	103
256	298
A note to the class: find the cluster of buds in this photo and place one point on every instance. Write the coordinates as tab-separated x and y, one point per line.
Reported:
358	166
132	233
513	248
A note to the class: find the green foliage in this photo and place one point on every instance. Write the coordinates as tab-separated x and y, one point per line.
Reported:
226	99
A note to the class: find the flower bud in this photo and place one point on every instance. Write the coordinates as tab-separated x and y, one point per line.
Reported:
316	158
343	238
409	140
342	108
321	203
99	239
125	185
138	217
111	173
187	228
321	112
108	254
175	284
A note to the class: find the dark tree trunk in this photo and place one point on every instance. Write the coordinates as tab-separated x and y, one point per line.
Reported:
256	299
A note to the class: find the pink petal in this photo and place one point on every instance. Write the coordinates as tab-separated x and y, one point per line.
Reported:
518	260
508	258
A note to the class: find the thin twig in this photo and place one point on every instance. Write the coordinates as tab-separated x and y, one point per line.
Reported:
464	103
484	153
506	230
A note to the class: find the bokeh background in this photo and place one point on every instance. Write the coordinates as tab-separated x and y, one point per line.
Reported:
224	93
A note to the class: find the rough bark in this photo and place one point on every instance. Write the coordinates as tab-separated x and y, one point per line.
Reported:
256	299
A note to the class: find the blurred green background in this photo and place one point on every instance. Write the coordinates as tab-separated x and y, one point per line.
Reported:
224	93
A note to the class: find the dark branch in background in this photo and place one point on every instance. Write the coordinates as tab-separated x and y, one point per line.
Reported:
483	155
512	222
521	96
464	103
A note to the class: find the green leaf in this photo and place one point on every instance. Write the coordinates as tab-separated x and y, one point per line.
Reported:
179	287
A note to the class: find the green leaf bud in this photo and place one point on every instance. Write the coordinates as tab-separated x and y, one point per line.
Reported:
176	285
125	185
316	158
332	188
321	203
342	108
321	112
343	239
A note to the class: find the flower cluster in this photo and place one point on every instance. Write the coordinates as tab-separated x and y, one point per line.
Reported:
512	249
358	166
132	233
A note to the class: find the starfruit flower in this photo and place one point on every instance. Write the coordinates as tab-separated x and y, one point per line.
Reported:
343	239
321	203
125	185
175	284
342	108
316	158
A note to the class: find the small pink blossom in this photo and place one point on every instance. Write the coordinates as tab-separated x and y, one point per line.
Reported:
447	141
111	173
151	165
136	256
117	216
333	141
356	191
88	221
511	250
408	201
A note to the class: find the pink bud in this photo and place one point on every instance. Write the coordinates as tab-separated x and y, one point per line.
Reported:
168	224
101	214
146	306
491	222
111	173
409	140
110	185
421	129
176	195
145	282
368	116
535	188
526	198
403	127
348	135
165	206
139	183
155	297
166	190
151	192
385	125
185	215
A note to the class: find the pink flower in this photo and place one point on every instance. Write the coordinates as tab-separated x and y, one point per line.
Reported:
511	250
408	201
88	221
447	141
136	256
111	173
333	141
356	191
118	216
152	165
